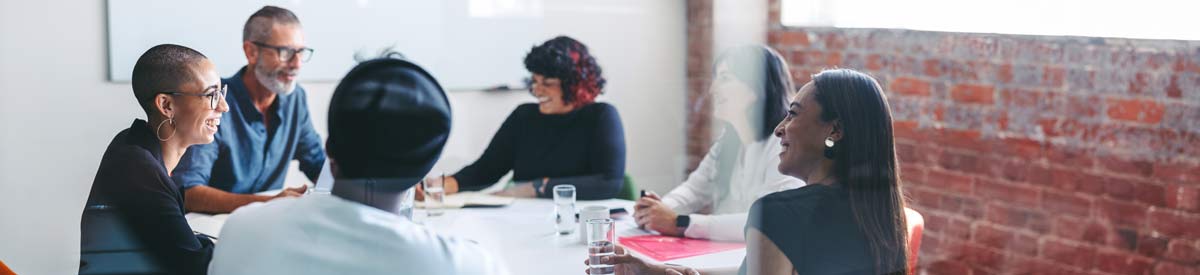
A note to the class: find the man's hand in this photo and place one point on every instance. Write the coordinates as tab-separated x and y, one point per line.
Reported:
291	192
651	213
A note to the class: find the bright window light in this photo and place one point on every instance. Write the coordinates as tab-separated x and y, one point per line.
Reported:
1147	19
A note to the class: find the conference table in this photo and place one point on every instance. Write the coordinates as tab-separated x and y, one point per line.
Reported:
522	235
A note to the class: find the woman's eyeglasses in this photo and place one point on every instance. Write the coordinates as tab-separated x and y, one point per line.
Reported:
215	94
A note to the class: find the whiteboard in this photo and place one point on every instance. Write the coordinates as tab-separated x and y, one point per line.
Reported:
467	44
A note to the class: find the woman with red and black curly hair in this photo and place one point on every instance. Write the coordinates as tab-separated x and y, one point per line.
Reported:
565	138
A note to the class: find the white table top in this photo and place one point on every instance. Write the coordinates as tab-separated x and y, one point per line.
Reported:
523	236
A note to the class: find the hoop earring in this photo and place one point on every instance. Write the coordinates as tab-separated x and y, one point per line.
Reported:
159	129
829	147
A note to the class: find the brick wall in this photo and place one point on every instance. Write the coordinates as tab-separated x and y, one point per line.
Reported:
1034	154
699	62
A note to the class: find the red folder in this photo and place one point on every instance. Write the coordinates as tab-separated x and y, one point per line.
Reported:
666	248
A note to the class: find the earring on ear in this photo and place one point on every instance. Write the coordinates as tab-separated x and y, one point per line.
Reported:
159	129
829	147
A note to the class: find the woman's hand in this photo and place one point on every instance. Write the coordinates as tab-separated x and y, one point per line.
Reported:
651	213
626	264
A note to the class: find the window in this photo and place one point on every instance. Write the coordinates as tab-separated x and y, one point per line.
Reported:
1147	19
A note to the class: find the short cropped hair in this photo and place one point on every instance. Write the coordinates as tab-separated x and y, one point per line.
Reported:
388	118
258	27
162	68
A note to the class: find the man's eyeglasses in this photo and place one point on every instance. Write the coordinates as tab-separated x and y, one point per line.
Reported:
286	54
214	93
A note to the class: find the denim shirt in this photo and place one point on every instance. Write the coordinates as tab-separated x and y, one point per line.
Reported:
247	157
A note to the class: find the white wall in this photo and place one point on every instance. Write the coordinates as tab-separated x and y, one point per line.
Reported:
57	112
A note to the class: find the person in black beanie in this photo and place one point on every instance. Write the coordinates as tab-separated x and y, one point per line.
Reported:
388	122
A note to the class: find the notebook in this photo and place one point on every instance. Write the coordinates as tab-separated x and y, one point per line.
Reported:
666	248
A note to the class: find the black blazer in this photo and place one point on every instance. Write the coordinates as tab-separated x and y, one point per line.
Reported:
133	180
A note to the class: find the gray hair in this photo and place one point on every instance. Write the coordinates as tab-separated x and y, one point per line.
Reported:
258	27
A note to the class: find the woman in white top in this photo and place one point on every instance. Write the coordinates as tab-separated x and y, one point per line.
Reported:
750	88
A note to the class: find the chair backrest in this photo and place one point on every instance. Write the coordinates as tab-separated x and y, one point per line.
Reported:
4	269
109	246
916	224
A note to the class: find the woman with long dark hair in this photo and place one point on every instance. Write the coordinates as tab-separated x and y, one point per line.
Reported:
849	219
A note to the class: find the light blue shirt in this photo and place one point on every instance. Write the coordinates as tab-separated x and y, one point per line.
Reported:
248	157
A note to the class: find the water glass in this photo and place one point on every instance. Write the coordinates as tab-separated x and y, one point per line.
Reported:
600	244
435	195
564	209
407	202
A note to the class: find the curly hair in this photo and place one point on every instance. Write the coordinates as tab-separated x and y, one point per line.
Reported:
568	60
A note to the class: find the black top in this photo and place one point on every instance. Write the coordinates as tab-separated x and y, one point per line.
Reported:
816	230
133	180
585	148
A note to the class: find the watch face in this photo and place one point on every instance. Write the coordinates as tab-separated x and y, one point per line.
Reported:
683	221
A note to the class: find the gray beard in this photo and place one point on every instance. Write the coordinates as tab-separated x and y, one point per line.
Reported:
267	79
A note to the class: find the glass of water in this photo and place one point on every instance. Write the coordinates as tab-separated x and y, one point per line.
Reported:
407	200
600	244
435	195
564	208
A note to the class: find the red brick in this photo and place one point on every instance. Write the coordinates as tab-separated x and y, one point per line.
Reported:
1175	223
1022	148
1005	239
962	139
793	38
934	68
910	172
947	226
1186	197
1018	194
1053	76
961	162
1135	110
1120	189
1177	172
910	86
1017	217
964	206
906	129
876	62
1184	251
973	93
949	182
1169	268
1072	157
923	198
1074	180
1004	74
1083	230
1121	213
1153	246
1122	263
947	267
1068	253
1067	204
1150	193
1139	168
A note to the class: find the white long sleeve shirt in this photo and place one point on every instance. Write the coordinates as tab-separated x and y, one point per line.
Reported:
719	212
325	234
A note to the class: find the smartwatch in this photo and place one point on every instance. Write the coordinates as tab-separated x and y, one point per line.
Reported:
682	222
